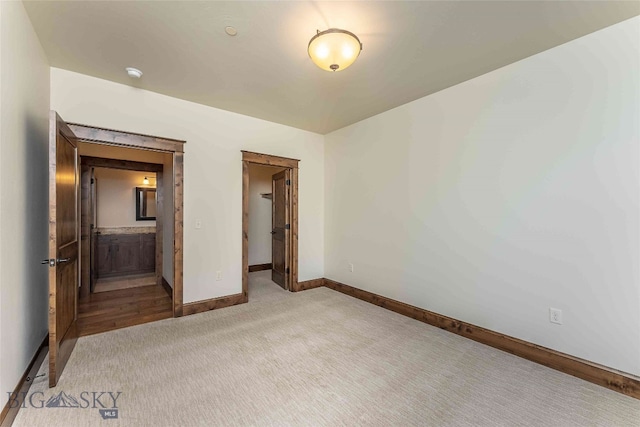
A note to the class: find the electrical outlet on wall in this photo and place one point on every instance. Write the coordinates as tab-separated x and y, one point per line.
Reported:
218	275
198	223
350	267
555	316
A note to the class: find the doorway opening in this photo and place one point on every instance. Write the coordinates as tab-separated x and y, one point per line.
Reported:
267	220
130	264
122	225
274	238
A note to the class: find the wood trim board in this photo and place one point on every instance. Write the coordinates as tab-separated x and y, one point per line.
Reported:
269	160
125	139
213	304
178	232
85	230
595	373
10	410
245	229
100	162
167	287
309	284
160	229
259	267
293	281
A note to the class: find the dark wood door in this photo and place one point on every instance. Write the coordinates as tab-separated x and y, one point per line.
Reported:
63	245
280	228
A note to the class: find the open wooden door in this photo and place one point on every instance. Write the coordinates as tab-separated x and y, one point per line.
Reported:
63	245
280	228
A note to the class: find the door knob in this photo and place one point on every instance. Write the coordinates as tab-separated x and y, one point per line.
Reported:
273	232
61	260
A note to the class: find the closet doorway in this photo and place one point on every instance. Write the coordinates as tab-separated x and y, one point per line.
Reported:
270	242
267	223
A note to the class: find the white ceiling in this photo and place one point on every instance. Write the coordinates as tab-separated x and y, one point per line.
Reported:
411	49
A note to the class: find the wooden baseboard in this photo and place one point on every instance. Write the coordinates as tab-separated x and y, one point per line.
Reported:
167	287
213	304
9	411
308	284
598	374
259	267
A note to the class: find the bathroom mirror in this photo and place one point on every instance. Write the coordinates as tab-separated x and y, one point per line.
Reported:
145	204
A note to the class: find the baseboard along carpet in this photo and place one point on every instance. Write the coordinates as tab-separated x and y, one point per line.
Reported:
317	358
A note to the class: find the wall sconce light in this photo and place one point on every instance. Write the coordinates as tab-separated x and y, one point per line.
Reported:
334	49
145	181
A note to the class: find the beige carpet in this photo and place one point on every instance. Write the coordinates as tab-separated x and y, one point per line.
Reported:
124	282
315	358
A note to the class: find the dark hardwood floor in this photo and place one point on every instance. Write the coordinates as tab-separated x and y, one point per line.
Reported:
106	311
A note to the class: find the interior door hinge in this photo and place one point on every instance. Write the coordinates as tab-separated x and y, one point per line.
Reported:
288	182
92	180
288	226
288	270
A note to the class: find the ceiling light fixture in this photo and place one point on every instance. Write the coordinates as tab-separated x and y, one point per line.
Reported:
230	31
334	49
134	72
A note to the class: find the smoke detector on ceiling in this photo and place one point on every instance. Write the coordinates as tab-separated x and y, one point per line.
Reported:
134	72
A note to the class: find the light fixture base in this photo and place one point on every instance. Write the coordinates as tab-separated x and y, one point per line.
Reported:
133	72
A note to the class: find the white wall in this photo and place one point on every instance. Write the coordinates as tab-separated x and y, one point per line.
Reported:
116	197
260	212
24	124
498	198
213	171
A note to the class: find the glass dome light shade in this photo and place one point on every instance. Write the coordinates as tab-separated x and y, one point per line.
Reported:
334	49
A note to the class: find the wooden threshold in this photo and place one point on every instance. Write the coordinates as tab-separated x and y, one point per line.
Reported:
613	379
107	311
11	408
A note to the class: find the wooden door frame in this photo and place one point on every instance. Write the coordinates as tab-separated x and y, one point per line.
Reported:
88	162
115	138
249	157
